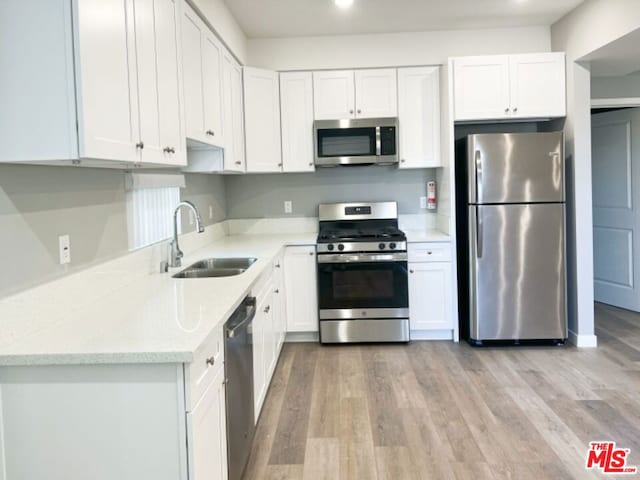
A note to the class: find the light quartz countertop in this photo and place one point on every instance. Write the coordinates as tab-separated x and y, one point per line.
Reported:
120	313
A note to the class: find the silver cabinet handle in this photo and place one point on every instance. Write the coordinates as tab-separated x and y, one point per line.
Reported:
359	111
411	271
351	112
238	163
515	110
267	309
276	290
403	160
279	164
506	110
210	361
311	253
210	132
311	164
277	265
140	145
169	150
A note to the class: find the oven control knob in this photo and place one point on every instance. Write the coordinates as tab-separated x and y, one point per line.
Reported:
341	247
392	246
381	246
330	247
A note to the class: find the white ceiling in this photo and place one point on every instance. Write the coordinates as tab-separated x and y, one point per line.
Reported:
290	18
618	58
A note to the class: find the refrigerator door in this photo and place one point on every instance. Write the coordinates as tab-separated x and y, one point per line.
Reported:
517	272
516	168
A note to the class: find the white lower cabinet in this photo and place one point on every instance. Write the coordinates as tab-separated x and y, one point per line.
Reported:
207	433
300	285
430	294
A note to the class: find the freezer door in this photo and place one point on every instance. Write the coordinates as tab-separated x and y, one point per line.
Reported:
516	168
517	272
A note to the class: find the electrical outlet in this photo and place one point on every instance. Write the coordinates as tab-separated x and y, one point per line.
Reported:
210	212
191	218
423	202
64	247
288	206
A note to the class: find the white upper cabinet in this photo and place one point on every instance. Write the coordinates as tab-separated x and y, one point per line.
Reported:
538	85
376	93
503	87
202	70
158	80
334	95
296	110
108	86
419	117
481	87
234	160
355	94
262	120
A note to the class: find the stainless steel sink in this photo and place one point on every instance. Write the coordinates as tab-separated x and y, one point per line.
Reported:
216	267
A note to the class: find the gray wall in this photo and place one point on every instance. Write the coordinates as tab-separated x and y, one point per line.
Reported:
37	204
616	87
263	196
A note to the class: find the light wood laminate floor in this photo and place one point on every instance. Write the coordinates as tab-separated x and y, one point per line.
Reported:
438	410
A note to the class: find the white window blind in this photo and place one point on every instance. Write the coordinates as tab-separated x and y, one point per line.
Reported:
150	206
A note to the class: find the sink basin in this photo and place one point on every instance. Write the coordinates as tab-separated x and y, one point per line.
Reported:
216	267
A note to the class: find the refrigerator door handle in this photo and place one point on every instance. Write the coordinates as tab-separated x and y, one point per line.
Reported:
479	232
478	159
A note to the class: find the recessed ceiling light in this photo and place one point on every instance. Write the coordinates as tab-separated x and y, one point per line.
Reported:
343	3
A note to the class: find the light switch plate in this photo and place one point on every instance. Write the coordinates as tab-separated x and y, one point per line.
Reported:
288	206
210	212
423	202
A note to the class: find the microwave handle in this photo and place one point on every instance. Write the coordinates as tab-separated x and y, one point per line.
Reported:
378	142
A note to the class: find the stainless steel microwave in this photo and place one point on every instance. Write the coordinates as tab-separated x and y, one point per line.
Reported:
362	141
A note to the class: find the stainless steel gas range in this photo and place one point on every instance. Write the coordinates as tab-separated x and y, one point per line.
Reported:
363	292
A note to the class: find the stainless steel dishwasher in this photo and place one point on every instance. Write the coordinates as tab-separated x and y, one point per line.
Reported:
238	366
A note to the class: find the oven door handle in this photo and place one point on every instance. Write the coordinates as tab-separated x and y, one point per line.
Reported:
362	257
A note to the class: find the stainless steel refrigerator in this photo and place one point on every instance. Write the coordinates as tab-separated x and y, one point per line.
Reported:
516	237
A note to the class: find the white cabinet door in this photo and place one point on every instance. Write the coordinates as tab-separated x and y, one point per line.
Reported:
300	289
419	117
259	368
481	87
107	87
192	37
538	85
296	110
212	88
207	433
430	296
376	93
262	120
334	95
233	114
159	93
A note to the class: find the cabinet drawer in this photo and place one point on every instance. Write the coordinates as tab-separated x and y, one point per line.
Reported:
429	252
207	361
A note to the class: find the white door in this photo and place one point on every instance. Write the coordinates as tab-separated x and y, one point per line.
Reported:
334	95
430	296
300	289
296	110
237	120
262	120
159	93
233	151
259	364
207	433
192	37
537	85
481	87
615	144
376	93
107	87
212	88
419	117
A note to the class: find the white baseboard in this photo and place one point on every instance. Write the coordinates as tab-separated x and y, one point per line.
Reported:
583	341
431	335
302	337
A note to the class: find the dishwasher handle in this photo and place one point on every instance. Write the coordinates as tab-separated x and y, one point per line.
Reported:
250	312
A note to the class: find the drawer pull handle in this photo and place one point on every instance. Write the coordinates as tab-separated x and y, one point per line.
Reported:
410	271
276	291
267	309
429	253
210	361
